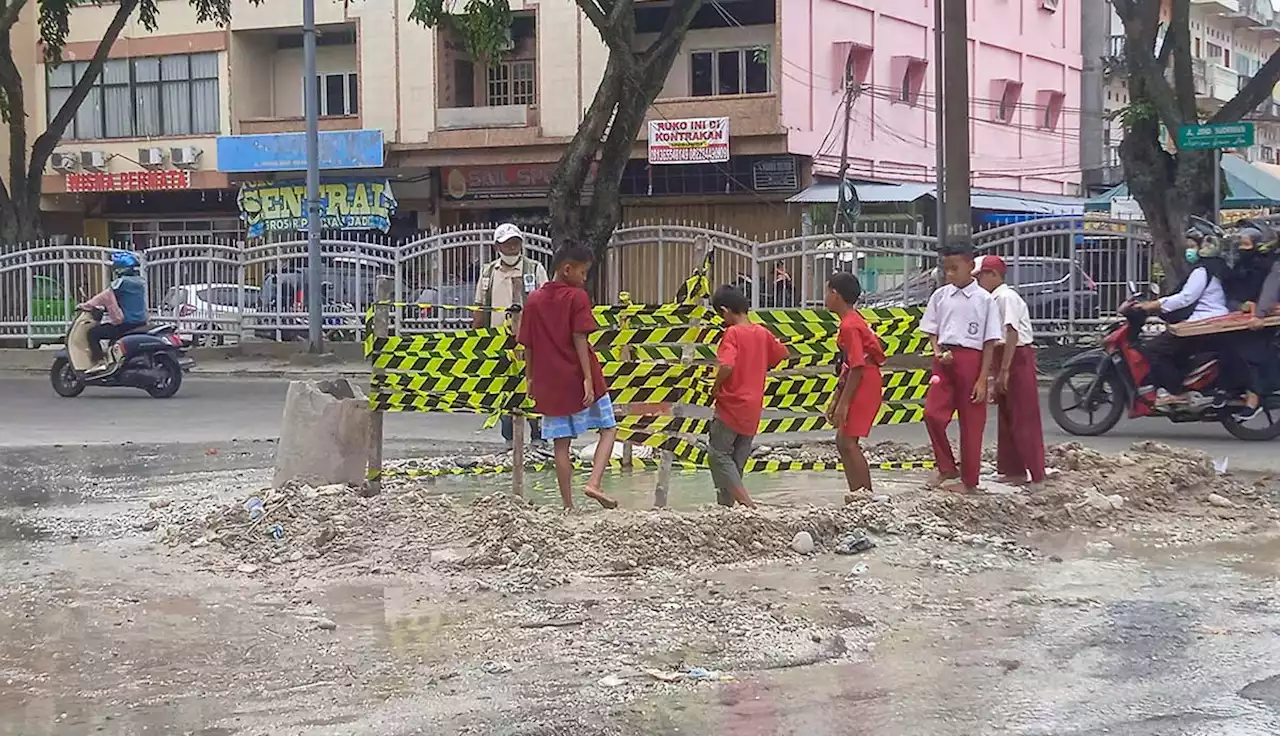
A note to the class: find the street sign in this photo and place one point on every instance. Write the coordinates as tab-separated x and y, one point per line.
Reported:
1215	135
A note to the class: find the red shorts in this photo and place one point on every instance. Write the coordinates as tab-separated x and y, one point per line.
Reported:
865	404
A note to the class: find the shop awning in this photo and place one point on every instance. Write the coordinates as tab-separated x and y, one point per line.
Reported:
979	199
1248	185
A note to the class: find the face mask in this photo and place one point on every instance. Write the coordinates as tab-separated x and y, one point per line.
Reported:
1191	254
510	260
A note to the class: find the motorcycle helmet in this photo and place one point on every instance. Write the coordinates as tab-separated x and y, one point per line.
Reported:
123	260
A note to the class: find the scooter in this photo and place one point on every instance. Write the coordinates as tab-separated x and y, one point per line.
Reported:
149	358
1103	382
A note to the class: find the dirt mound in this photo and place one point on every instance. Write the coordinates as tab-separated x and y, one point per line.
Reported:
1098	489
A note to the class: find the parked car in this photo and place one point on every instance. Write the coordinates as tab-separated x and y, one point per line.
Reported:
1049	285
208	315
51	303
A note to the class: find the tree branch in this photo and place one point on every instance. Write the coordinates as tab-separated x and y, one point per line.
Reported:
1256	91
48	140
11	12
1140	19
679	18
15	101
1184	83
1166	50
610	27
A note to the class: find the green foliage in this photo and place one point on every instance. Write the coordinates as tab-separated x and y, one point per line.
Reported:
482	24
1137	111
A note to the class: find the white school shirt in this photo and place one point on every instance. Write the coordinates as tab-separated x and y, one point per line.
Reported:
1206	293
1013	313
968	317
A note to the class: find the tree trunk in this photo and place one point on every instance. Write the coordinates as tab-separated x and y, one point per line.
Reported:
20	224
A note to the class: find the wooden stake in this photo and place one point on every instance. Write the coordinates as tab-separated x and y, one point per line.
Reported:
381	328
518	419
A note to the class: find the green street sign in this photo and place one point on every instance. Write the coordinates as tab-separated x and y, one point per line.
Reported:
1215	135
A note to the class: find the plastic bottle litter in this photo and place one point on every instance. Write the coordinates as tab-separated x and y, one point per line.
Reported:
255	507
276	532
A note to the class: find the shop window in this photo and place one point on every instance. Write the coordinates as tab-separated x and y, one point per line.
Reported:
339	94
142	97
510	83
729	72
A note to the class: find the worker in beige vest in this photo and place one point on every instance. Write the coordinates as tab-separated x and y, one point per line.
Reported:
495	292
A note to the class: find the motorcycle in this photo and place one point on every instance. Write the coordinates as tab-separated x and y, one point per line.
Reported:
149	358
1113	374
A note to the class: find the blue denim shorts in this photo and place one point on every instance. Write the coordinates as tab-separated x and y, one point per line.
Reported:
597	416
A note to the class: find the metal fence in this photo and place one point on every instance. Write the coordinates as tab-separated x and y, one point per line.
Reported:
1073	273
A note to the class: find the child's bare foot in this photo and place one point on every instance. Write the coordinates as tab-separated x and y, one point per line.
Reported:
1012	480
938	479
955	485
596	495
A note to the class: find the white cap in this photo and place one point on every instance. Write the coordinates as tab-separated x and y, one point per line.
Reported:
506	231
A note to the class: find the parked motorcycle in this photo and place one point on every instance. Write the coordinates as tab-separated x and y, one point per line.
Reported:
1104	382
150	358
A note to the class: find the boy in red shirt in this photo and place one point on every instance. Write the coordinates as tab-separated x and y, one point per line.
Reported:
747	352
856	402
563	373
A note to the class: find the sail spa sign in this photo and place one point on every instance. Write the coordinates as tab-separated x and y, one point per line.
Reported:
689	141
345	205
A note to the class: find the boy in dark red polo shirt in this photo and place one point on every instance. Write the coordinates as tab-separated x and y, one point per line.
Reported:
563	373
747	352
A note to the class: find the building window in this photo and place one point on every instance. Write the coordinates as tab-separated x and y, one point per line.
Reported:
339	94
1007	107
145	97
729	72
509	83
909	73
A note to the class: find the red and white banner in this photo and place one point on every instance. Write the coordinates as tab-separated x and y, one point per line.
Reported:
689	141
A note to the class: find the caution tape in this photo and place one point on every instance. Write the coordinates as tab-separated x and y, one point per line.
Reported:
698	286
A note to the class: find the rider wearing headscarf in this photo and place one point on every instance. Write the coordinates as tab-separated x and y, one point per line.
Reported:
1254	257
124	302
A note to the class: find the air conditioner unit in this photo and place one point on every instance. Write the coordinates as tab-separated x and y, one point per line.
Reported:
151	157
93	160
185	157
64	162
1051	5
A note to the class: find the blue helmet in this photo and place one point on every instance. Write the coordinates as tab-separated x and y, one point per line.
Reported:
123	259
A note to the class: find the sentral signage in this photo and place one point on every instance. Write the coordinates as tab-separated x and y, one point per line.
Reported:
129	181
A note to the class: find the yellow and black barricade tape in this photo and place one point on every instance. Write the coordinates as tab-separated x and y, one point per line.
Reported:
754	465
698	286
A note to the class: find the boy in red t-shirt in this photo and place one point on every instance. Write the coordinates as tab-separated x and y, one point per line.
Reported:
747	352
563	373
856	401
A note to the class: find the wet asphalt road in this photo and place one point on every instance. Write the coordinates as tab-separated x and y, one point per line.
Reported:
210	410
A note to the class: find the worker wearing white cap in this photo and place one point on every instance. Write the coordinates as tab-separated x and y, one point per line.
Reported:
495	291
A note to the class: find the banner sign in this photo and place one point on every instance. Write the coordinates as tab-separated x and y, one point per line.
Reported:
517	181
339	149
690	141
130	181
345	205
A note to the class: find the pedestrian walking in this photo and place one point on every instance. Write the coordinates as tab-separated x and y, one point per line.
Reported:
563	373
963	325
746	353
1020	436
495	294
856	401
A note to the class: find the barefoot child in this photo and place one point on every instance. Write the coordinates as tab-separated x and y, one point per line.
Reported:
562	371
963	324
854	405
747	352
1020	437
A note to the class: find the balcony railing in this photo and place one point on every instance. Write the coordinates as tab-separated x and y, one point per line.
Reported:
471	118
1254	14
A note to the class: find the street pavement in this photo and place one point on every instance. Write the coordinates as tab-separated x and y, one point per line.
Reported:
221	409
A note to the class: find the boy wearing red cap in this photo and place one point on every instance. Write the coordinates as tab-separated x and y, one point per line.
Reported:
963	325
1020	437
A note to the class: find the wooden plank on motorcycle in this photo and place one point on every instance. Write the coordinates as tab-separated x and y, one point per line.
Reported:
1230	323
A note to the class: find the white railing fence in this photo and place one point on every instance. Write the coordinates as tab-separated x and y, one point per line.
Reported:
1073	273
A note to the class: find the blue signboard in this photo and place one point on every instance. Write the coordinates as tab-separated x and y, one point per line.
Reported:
339	149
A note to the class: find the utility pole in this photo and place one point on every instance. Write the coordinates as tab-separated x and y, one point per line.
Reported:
939	132
842	200
959	218
311	99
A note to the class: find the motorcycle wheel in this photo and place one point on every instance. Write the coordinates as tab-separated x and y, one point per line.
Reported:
66	383
1259	429
1110	412
170	379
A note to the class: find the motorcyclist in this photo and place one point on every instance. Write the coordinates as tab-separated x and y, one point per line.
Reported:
125	304
1254	256
1200	297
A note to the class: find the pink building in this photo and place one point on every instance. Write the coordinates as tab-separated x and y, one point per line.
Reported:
1024	89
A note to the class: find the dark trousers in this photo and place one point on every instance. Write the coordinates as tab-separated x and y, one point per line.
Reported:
950	395
110	333
1020	436
509	425
1169	358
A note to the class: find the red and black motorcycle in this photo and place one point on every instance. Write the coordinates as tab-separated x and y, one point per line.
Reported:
1102	383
